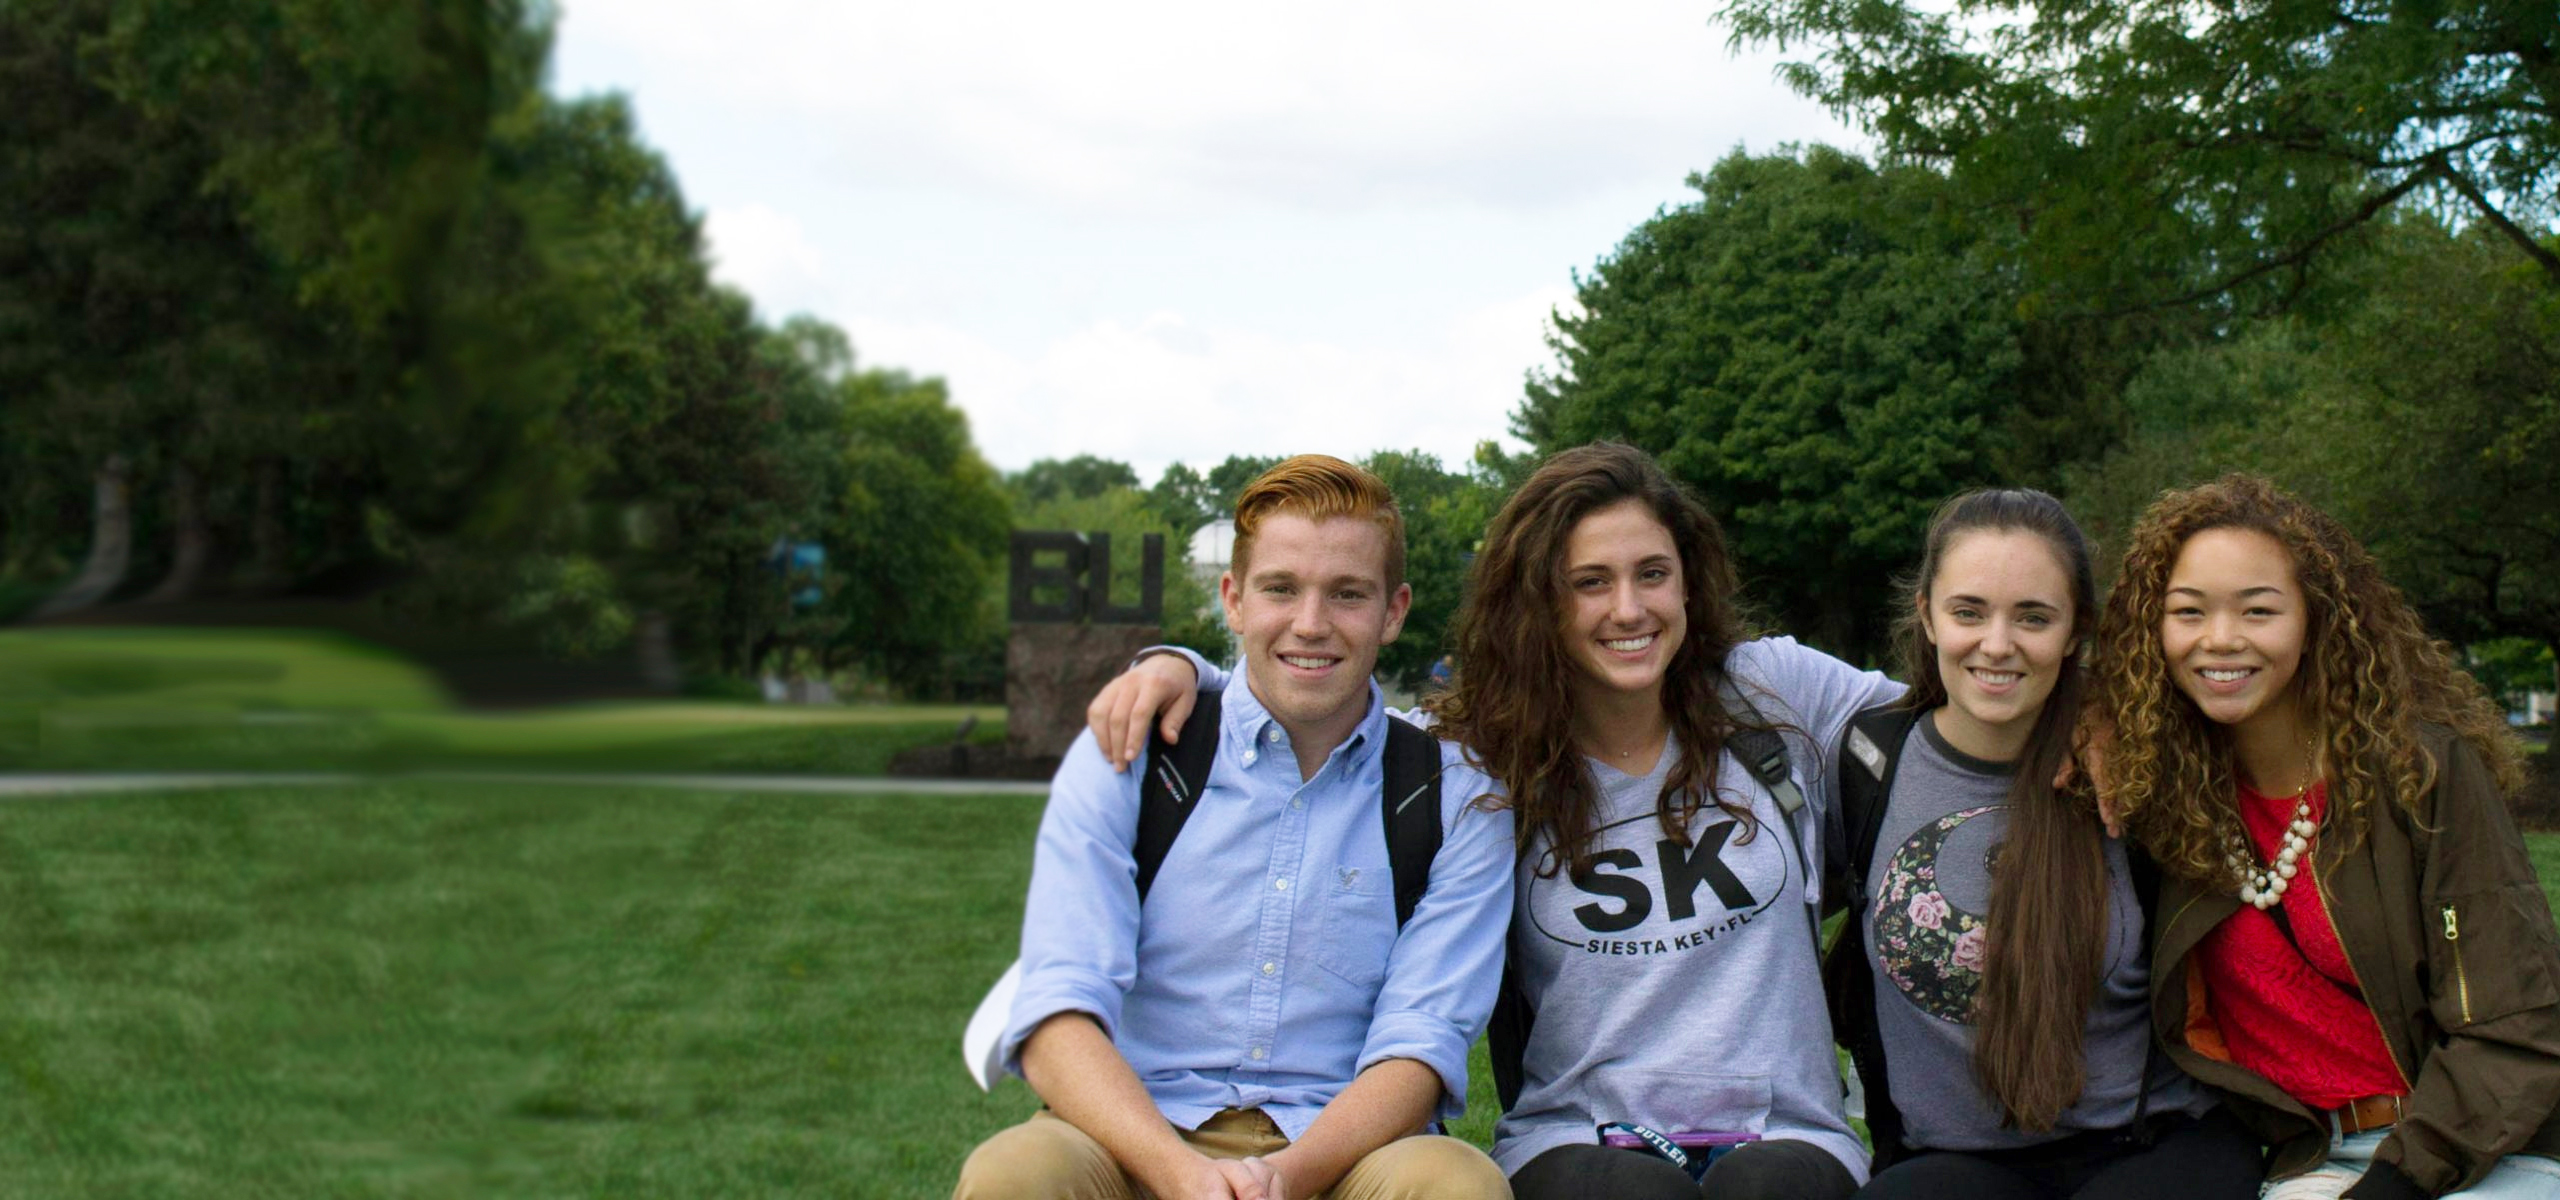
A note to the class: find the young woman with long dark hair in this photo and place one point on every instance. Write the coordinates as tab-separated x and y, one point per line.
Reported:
1993	984
2354	946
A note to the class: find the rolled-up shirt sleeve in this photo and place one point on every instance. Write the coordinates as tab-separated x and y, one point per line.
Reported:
1447	961
1080	924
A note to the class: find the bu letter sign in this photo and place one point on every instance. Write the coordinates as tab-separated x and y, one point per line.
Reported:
1074	585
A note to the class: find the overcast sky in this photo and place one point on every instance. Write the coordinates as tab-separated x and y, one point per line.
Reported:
1161	231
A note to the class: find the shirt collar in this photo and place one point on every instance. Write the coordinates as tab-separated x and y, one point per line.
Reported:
1243	721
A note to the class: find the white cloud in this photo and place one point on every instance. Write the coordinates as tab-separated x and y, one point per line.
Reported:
1158	230
1154	105
767	254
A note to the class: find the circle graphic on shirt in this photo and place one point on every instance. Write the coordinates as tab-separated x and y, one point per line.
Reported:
1923	939
1643	894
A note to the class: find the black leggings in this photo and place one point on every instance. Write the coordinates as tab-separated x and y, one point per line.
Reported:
2207	1158
1773	1170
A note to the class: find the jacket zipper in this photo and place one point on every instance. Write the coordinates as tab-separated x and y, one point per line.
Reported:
2328	914
2461	981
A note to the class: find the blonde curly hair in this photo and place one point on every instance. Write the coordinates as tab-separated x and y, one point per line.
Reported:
2370	679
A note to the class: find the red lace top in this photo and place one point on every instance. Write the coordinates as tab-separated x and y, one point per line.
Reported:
2289	1007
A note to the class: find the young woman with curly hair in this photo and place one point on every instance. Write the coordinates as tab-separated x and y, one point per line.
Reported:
2354	949
1663	925
1993	982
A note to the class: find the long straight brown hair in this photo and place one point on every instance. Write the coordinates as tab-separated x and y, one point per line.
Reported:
1509	703
2048	921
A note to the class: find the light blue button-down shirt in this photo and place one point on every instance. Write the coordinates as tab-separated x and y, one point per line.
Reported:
1266	970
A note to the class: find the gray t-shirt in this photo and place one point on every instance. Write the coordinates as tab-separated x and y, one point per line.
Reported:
1925	929
1677	987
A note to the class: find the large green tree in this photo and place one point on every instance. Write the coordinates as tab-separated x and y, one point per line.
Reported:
2442	462
1445	513
916	541
330	290
1823	355
130	306
276	259
2448	462
1183	498
2164	152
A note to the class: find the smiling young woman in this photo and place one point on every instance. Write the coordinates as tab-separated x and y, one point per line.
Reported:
1661	889
1992	983
2328	791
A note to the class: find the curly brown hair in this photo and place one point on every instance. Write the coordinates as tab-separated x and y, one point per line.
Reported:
1508	702
2370	679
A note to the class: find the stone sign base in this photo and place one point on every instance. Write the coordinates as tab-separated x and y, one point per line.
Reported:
1050	673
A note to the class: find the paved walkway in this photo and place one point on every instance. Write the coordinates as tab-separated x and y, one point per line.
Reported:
71	783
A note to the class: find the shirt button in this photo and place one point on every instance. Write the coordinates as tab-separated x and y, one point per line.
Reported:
1248	758
1270	967
1275	737
1279	885
1298	802
1257	1054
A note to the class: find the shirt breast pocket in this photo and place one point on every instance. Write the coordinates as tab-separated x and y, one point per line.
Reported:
1357	929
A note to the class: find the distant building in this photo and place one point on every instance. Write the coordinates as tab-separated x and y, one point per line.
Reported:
2538	709
1212	547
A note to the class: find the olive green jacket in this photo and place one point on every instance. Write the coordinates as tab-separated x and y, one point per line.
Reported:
2450	936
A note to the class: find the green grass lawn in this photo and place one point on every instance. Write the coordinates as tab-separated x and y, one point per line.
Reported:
428	990
133	699
434	990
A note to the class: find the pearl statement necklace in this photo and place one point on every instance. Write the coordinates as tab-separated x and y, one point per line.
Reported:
2263	887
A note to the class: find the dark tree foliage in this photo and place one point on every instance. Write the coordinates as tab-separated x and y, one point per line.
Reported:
918	535
2189	151
330	290
1080	478
2445	463
1822	356
1228	479
1445	513
1182	497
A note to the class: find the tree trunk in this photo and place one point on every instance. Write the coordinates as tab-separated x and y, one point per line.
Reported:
760	652
110	546
193	534
658	668
270	555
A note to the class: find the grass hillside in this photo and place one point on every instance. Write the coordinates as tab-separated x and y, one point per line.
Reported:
133	699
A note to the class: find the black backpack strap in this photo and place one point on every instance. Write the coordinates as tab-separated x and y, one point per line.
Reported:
1410	806
1763	752
1870	754
1176	775
1507	1038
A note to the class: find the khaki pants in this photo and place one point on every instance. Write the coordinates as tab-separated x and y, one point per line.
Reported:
1045	1158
